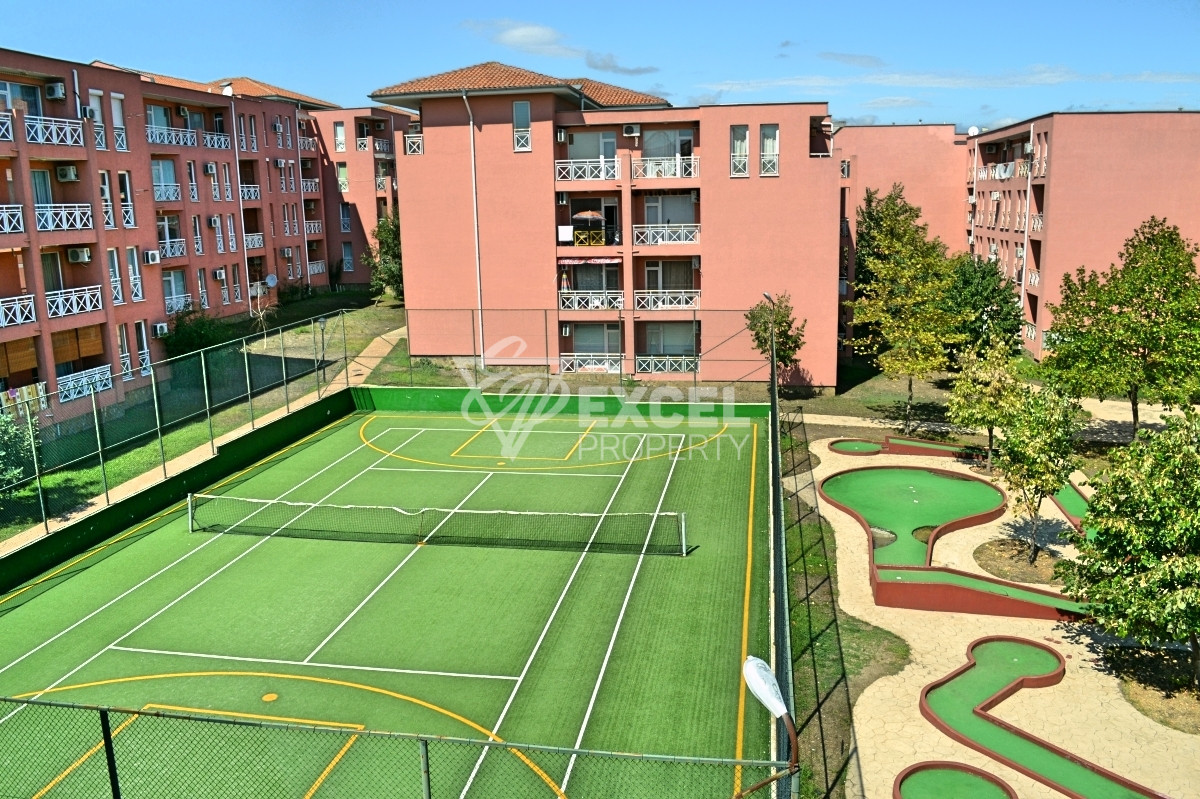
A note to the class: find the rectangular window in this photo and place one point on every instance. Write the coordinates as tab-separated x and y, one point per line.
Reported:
134	267
162	172
768	153
343	177
522	136
228	182
339	137
344	210
158	116
739	151
232	234
347	257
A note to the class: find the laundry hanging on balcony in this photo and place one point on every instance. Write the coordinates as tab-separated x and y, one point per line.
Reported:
604	259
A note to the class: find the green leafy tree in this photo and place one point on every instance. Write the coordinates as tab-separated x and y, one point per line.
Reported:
384	259
987	390
789	336
1135	329
1036	453
990	301
192	329
1140	571
902	280
16	453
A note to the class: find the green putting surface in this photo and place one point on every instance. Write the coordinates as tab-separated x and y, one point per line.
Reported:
1072	501
903	500
949	783
913	442
997	665
939	576
856	446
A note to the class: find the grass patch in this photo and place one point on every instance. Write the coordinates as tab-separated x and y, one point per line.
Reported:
864	391
1008	559
1157	683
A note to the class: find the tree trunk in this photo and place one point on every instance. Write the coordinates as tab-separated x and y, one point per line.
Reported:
1133	401
990	439
908	407
1195	660
1034	547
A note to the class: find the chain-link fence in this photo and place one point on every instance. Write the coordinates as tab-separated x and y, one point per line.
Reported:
66	451
87	751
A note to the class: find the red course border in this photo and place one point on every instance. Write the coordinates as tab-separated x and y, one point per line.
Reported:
927	765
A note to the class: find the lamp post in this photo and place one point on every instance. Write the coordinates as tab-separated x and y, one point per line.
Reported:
762	683
321	324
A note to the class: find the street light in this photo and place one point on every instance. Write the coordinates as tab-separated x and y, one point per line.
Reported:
762	683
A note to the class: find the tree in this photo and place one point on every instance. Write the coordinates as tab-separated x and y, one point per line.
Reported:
789	336
987	390
1036	452
902	280
384	260
16	453
990	300
192	329
1139	572
1134	329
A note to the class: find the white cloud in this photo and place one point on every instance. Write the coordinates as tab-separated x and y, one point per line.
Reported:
529	37
895	102
853	59
607	62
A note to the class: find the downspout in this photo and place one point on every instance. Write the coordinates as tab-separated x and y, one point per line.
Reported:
974	190
237	153
1028	224
303	216
475	209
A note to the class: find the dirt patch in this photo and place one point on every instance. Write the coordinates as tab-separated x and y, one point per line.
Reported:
922	534
1008	559
1155	682
880	537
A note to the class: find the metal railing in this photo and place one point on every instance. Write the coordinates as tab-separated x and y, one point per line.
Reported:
63	216
106	211
198	244
126	366
68	302
1039	221
414	144
316	268
363	144
194	192
177	302
595	237
590	300
383	145
80	384
167	192
250	191
135	288
51	130
663	300
6	128
308	143
1035	277
172	248
739	166
310	185
252	241
17	310
588	169
650	235
602	362
12	219
217	141
98	136
656	364
179	137
522	140
204	298
127	218
118	293
768	164
345	225
381	183
253	142
120	139
1030	331
343	184
679	166
314	228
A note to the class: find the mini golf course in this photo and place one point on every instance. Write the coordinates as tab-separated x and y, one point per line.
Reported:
940	780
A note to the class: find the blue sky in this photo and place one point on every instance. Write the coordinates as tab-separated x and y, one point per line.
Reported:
969	63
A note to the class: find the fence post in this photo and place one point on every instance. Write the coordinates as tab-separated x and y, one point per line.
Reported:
249	383
287	403
37	469
345	349
312	326
99	446
212	439
425	789
162	450
109	755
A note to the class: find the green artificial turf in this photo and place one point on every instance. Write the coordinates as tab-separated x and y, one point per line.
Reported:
416	639
935	575
855	446
997	665
1072	501
913	442
942	783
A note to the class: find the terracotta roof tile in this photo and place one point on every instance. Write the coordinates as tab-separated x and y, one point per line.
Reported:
608	94
250	87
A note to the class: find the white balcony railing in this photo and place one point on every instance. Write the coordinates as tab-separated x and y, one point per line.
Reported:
364	145
414	144
135	288
739	166
522	140
217	141
1038	221
12	219
69	216
253	241
250	191
664	300
118	294
316	268
49	130
679	166
383	145
198	244
314	228
381	183
204	298
253	142
106	210
609	363
590	300
99	135
180	137
310	185
345	225
177	302
649	235
167	192
588	169
127	218
768	164
120	140
308	143
1030	331
6	130
172	248
1035	277
144	362
18	310
73	301
343	184
80	384
126	366
652	364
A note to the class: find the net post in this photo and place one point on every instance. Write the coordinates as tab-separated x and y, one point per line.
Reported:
191	514
683	532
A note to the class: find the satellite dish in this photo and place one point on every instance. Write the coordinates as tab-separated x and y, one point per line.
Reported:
972	131
271	281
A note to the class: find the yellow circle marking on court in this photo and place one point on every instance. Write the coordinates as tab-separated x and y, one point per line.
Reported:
558	792
270	697
362	435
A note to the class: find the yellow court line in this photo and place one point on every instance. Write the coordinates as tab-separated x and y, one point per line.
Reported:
478	433
741	720
163	515
703	422
86	756
580	441
200	711
329	769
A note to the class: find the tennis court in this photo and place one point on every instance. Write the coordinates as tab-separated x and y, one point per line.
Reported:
590	583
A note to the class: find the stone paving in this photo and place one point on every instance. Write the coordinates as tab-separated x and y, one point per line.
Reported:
1085	714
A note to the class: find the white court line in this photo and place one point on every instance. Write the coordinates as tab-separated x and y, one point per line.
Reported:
621	617
180	598
275	662
538	645
412	552
485	471
574	433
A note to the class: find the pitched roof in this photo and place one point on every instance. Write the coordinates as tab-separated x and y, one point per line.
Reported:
247	87
494	76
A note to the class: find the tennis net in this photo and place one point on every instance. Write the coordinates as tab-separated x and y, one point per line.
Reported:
631	533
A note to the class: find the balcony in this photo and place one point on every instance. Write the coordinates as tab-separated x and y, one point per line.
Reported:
572	362
590	300
217	141
49	130
382	181
6	133
1030	331
68	216
588	169
383	146
250	191
308	143
656	364
1039	166
1039	222
178	302
652	235
316	268
314	228
81	384
12	219
680	166
310	185
172	248
18	310
19	400
665	300
253	241
167	192
179	137
414	144
1035	277
364	145
595	237
69	302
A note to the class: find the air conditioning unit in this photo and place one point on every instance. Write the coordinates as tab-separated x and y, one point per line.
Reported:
160	329
380	126
182	111
989	148
277	127
560	135
286	252
151	257
79	255
218	274
1028	148
214	221
695	195
210	168
566	329
280	163
56	91
414	128
87	112
562	198
66	174
631	131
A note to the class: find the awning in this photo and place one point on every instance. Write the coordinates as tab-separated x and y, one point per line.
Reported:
602	260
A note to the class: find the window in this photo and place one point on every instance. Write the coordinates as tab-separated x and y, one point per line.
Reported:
218	122
343	177
845	169
174	283
162	172
13	93
671	338
125	193
597	338
522	138
52	272
228	183
347	257
232	234
739	151
114	276
168	228
158	116
254	134
197	237
339	137
344	210
42	194
669	276
123	350
768	153
134	267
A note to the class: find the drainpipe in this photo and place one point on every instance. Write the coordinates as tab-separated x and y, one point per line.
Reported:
475	208
237	153
303	216
1028	224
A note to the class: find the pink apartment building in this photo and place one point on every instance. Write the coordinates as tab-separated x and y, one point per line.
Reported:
594	228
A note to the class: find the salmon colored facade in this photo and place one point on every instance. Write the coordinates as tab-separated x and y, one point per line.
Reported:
591	228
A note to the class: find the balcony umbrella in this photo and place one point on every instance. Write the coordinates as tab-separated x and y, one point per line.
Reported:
588	217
